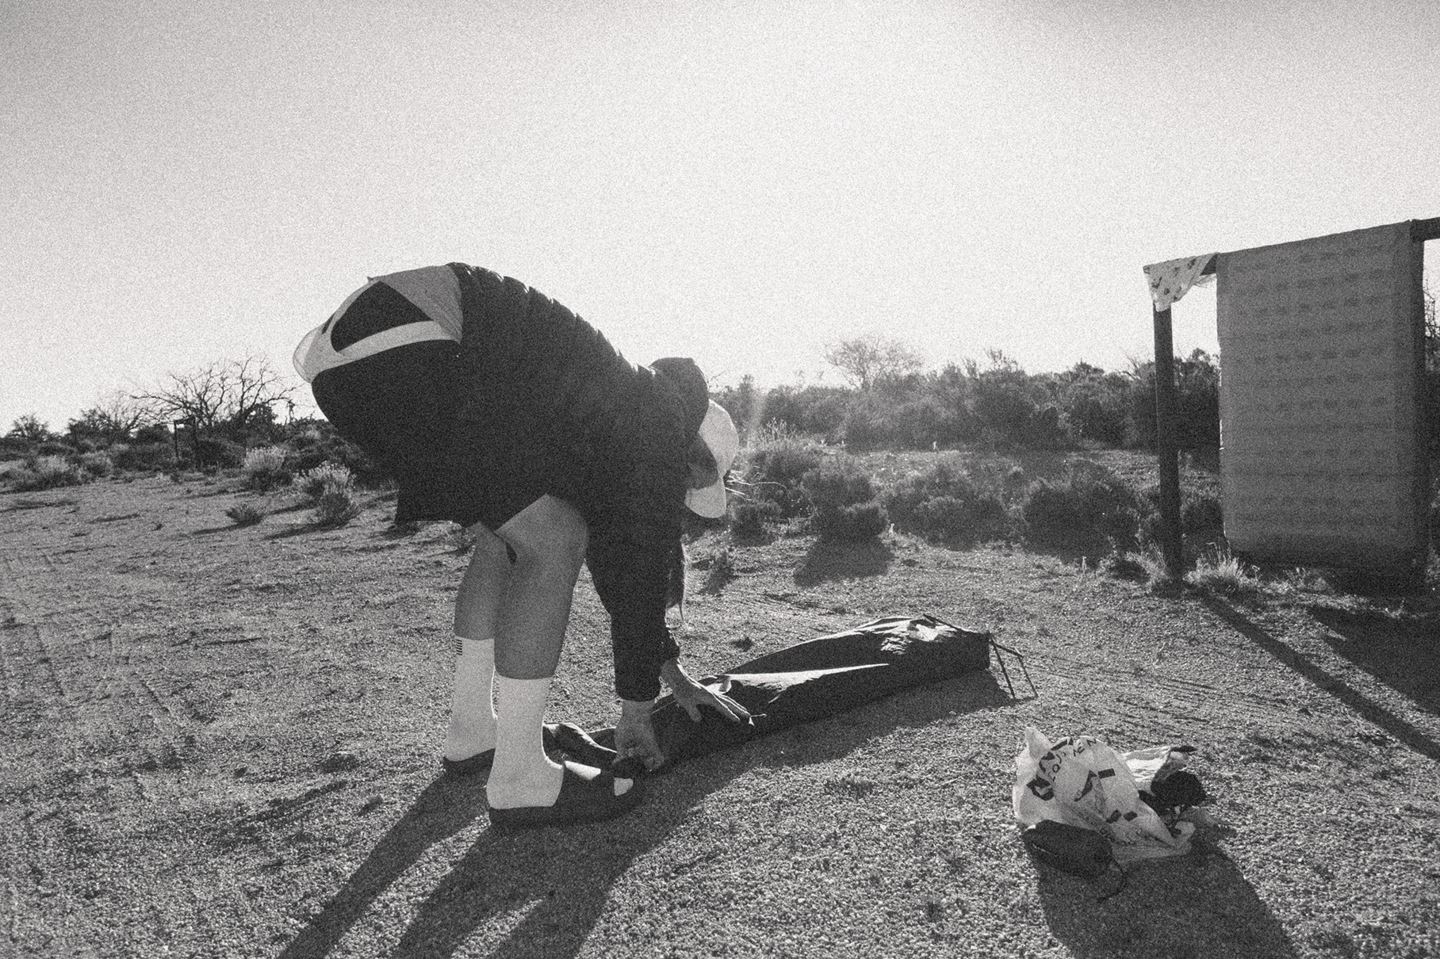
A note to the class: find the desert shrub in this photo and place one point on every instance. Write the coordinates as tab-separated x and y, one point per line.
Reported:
1201	513
1090	503
14	446
844	502
317	482
749	516
1044	431
853	523
776	465
143	457
96	464
1126	566
215	452
54	448
951	519
336	506
1197	403
949	503
1095	403
836	482
1221	572
817	410
742	402
1300	581
317	442
1004	408
46	472
244	514
264	469
919	423
867	426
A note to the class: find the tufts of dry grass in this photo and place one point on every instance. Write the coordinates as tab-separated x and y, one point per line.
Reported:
244	514
1223	573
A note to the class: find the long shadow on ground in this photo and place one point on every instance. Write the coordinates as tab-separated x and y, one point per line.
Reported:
445	807
1399	651
548	887
1188	907
1322	679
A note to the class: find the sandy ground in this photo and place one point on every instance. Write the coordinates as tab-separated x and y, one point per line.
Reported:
221	741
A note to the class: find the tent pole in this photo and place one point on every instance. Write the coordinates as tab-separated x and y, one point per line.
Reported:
1166	448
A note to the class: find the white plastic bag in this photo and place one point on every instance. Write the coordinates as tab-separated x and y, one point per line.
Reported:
1083	782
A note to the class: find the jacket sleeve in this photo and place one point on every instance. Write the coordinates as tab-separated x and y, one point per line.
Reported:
629	565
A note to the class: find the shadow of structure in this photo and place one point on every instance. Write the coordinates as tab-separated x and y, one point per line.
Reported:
1325	681
1189	907
831	560
1400	652
542	891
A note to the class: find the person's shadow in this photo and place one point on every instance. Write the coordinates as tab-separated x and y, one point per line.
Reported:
1167	907
547	887
447	806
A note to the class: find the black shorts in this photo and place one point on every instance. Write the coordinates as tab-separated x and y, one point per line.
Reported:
402	406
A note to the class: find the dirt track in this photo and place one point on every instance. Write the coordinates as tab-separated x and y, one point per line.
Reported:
222	743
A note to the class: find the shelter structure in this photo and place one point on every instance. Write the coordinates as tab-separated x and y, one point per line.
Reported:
1323	410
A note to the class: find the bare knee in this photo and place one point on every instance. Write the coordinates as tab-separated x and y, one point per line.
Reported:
548	535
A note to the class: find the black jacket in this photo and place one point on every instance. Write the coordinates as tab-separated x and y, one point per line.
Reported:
610	436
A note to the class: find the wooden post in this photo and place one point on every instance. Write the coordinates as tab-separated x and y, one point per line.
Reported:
1166	449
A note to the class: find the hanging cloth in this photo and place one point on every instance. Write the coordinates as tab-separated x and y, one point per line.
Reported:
1171	280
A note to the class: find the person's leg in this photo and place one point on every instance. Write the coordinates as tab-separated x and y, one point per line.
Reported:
477	613
548	539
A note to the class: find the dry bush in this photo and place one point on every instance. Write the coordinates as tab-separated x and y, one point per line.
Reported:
264	469
46	472
844	501
777	462
336	507
949	503
748	517
1090	504
97	464
244	514
317	482
1222	572
143	456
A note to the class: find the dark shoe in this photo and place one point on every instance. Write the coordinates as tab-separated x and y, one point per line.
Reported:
586	795
483	760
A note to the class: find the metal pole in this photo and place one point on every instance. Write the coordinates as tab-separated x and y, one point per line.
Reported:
1166	449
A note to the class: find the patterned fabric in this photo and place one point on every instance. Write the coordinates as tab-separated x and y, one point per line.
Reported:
1171	280
1320	400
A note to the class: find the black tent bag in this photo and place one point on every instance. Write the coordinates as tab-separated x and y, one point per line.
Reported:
799	684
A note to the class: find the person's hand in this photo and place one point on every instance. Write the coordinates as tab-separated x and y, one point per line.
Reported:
635	736
692	695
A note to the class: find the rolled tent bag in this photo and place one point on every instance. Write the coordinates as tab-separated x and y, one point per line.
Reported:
799	684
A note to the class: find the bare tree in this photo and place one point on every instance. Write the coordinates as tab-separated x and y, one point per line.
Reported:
871	358
226	394
113	418
30	428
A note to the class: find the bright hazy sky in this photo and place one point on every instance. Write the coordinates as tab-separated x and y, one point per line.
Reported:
744	183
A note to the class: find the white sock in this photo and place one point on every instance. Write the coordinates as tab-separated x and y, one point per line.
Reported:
472	707
522	774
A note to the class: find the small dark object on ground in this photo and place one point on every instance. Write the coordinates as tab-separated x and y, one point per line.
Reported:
1176	792
1080	852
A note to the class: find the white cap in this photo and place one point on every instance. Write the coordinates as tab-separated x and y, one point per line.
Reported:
717	431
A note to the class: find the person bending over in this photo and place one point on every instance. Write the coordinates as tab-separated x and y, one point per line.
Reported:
497	408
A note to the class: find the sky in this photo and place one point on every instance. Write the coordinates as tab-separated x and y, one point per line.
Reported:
746	183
